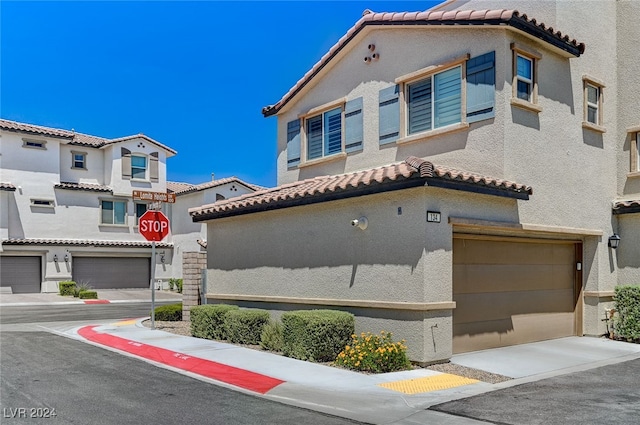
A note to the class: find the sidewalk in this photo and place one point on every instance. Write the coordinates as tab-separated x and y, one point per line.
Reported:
105	296
399	398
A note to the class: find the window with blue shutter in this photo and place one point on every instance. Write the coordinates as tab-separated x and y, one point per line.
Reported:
481	87
324	134
419	106
293	143
353	131
389	115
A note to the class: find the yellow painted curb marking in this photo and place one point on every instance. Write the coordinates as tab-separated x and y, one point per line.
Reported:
126	322
427	384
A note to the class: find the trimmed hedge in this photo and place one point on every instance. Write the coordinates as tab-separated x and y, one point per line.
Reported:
67	287
245	326
627	323
169	312
88	295
207	321
271	337
316	335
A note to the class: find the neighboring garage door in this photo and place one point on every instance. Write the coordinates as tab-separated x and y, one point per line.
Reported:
112	272
22	274
511	292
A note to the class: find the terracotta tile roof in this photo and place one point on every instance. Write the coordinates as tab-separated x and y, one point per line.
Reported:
82	242
412	172
75	138
8	187
183	188
626	207
83	186
499	17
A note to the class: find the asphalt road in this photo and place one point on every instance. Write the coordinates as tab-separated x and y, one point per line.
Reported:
606	395
42	374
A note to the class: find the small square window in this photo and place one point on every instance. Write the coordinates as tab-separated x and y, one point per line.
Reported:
593	104
114	212
525	78
79	160
138	167
42	203
34	144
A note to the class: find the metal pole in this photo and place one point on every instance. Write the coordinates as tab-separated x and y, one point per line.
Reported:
153	286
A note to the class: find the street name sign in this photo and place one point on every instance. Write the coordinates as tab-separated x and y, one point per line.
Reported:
143	195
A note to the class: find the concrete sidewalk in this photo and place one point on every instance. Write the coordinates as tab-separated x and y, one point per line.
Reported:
400	398
105	296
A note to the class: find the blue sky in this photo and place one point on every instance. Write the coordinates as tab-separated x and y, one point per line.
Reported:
191	75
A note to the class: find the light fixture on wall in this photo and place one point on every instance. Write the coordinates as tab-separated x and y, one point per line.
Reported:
55	258
360	223
162	258
614	241
66	258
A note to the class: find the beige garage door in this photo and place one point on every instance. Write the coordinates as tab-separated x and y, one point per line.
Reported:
112	272
510	292
22	274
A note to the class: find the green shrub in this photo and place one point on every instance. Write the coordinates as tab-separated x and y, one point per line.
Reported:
177	283
627	322
169	312
374	353
67	287
244	326
171	284
316	335
81	287
207	321
88	295
271	336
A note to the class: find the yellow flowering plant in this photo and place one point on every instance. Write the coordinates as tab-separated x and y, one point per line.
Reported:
374	353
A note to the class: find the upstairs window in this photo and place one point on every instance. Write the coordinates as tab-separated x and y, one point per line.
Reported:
435	101
593	104
525	78
34	144
113	212
324	134
138	167
78	160
140	209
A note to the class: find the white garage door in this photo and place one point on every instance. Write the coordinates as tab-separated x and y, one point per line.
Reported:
112	272
22	274
512	291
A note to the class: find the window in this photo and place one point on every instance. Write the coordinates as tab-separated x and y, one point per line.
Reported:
325	132
114	212
138	167
33	144
592	104
42	203
79	160
140	209
525	78
435	101
634	142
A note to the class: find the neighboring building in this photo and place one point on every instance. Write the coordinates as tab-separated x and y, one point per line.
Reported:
493	154
67	212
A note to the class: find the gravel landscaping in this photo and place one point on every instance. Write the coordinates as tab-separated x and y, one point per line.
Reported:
184	328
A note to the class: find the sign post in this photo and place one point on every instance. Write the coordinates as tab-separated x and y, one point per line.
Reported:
154	226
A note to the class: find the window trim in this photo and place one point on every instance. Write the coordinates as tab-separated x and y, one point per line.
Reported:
42	203
314	112
423	74
126	211
34	143
534	57
634	151
587	82
146	166
73	160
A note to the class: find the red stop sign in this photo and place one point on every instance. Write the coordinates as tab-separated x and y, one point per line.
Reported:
154	225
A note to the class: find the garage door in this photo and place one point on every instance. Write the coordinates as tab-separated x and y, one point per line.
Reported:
510	292
112	272
22	274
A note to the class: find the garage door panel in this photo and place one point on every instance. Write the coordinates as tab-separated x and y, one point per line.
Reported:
518	329
491	278
112	272
470	251
21	273
502	305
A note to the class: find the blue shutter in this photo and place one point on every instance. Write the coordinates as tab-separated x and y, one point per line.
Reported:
293	143
389	115
333	131
419	106
314	137
353	125
447	94
481	87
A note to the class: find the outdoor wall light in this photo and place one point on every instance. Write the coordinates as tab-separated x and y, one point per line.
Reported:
55	258
614	241
162	258
361	222
66	258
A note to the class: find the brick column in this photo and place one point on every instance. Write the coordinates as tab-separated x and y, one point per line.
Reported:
192	265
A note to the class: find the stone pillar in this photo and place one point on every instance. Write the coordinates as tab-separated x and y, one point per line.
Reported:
193	263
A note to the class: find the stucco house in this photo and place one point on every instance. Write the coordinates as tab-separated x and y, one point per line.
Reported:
67	210
454	176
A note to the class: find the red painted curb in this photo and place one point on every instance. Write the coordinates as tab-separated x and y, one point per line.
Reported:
97	302
231	375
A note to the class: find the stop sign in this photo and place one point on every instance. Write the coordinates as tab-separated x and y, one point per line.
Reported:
154	225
